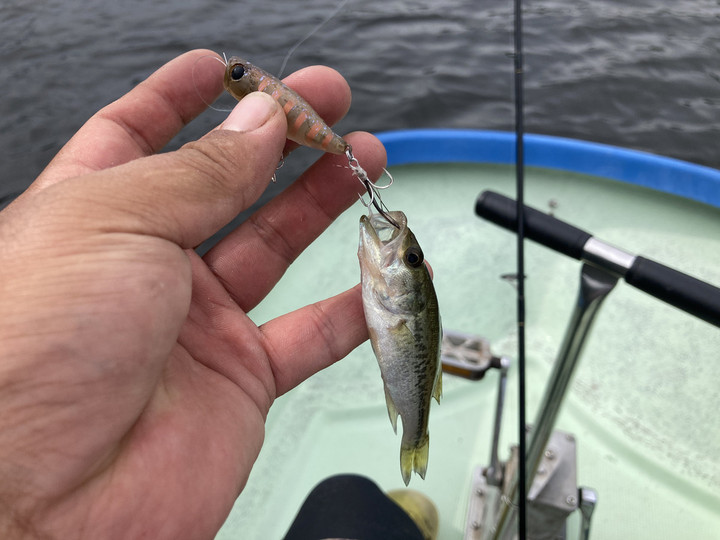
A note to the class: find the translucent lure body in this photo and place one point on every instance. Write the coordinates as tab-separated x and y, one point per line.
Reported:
305	126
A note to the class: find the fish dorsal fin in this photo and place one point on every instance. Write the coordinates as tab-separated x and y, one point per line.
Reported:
437	385
392	411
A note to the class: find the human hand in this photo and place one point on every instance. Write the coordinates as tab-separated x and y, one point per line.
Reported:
133	386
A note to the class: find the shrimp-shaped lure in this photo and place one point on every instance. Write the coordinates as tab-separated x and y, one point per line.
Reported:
305	126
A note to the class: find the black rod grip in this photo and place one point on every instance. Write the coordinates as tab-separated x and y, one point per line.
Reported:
540	227
680	290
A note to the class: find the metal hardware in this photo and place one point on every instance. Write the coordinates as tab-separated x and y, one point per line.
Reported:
588	501
482	505
553	496
494	471
595	285
607	257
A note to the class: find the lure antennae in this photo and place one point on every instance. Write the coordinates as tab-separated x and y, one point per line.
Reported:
195	84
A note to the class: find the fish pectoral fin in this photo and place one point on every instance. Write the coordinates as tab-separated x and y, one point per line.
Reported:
414	458
392	410
402	331
437	388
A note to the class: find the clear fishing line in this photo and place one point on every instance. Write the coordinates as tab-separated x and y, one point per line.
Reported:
310	34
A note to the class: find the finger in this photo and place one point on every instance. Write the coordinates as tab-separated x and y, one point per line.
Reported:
252	258
324	89
301	343
187	195
430	270
144	120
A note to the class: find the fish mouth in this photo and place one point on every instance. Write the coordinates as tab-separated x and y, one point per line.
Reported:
379	237
381	230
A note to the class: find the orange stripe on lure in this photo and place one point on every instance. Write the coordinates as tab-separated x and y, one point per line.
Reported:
305	126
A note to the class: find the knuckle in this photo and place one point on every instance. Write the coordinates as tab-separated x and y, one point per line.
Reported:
272	237
215	162
325	328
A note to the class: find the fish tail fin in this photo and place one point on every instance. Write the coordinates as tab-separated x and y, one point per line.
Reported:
414	458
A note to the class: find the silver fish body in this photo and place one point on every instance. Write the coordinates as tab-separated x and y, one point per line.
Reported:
401	311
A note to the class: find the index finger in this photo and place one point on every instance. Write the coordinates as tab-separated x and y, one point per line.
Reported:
142	121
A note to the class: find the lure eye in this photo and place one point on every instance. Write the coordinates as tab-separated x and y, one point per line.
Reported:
237	72
414	257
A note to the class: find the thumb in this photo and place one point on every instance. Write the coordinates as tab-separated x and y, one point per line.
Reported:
187	195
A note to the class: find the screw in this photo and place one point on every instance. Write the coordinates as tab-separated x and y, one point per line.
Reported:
475	525
549	454
480	492
571	500
553	204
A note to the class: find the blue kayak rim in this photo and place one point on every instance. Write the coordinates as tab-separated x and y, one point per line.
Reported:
665	174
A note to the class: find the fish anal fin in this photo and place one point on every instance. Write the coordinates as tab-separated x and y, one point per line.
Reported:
414	458
437	388
392	411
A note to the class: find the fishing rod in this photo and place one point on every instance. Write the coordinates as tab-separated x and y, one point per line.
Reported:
520	196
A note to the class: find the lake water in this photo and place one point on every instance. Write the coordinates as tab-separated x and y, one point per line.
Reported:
643	75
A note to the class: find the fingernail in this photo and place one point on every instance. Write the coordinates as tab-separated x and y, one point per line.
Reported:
251	112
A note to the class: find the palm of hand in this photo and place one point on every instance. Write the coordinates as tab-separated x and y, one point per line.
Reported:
137	402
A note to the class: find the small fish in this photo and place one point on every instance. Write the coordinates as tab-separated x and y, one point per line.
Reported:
401	311
305	126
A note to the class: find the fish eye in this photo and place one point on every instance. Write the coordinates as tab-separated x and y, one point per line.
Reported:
414	257
237	72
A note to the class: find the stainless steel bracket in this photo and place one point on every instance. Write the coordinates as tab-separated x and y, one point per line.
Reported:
588	500
482	506
595	285
494	472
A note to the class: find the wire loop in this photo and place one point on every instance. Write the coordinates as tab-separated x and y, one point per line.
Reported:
372	189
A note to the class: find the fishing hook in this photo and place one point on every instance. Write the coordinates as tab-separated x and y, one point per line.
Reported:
372	189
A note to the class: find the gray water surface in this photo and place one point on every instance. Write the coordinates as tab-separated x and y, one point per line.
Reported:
642	75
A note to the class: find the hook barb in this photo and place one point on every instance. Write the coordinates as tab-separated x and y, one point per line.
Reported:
372	189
